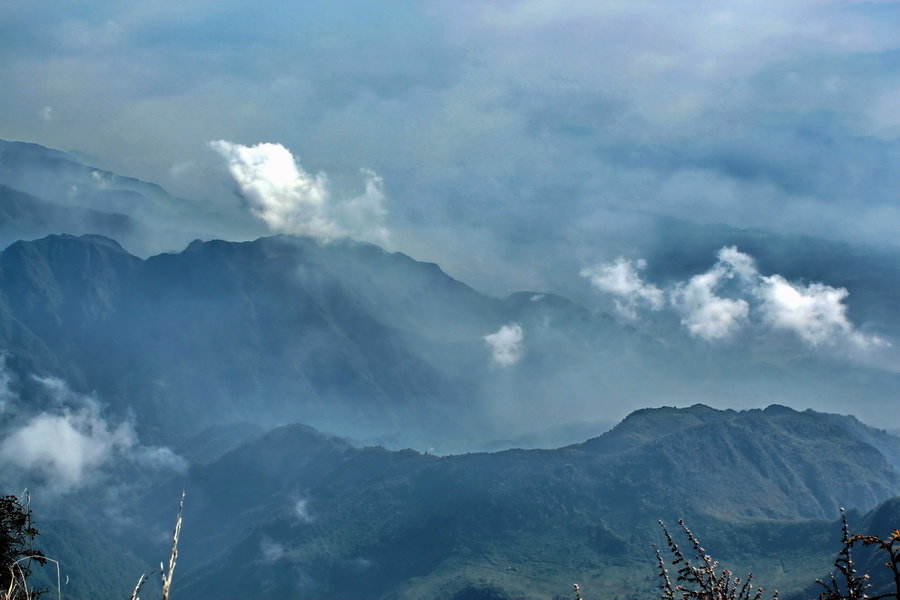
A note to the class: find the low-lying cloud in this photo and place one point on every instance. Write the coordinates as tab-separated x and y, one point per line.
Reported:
291	200
704	313
65	446
270	550
507	344
68	444
301	510
621	278
815	312
732	295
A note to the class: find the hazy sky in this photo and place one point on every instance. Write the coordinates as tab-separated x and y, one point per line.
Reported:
485	125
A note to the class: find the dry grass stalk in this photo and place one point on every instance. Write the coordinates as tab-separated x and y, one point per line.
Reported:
137	588
167	573
18	582
15	589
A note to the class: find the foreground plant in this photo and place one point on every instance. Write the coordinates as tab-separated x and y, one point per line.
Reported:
17	552
849	584
701	578
166	574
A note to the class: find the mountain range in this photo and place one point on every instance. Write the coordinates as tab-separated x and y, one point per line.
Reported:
352	339
327	407
293	512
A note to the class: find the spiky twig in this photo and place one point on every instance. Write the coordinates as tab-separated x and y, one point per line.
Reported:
853	585
704	580
890	545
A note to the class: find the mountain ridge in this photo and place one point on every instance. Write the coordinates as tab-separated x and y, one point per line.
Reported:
384	509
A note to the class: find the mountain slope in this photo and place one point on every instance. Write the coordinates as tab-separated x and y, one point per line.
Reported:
236	325
23	216
310	514
156	221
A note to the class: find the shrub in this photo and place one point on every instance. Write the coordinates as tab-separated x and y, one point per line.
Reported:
17	552
700	578
849	583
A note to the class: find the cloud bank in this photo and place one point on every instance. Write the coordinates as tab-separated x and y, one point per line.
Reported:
732	295
291	200
507	344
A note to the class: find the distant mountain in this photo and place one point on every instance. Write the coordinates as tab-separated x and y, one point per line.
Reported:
221	332
352	339
65	195
23	216
308	514
397	342
346	336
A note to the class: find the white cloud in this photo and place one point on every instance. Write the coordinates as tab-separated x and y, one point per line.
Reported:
291	200
705	314
737	263
815	312
621	279
158	458
506	344
68	444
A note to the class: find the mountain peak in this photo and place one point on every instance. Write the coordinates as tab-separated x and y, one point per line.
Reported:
93	239
778	409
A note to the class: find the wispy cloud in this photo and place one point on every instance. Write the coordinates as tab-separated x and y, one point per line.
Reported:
301	510
291	200
270	550
507	344
65	446
68	444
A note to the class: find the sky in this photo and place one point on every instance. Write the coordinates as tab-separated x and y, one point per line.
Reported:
496	138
